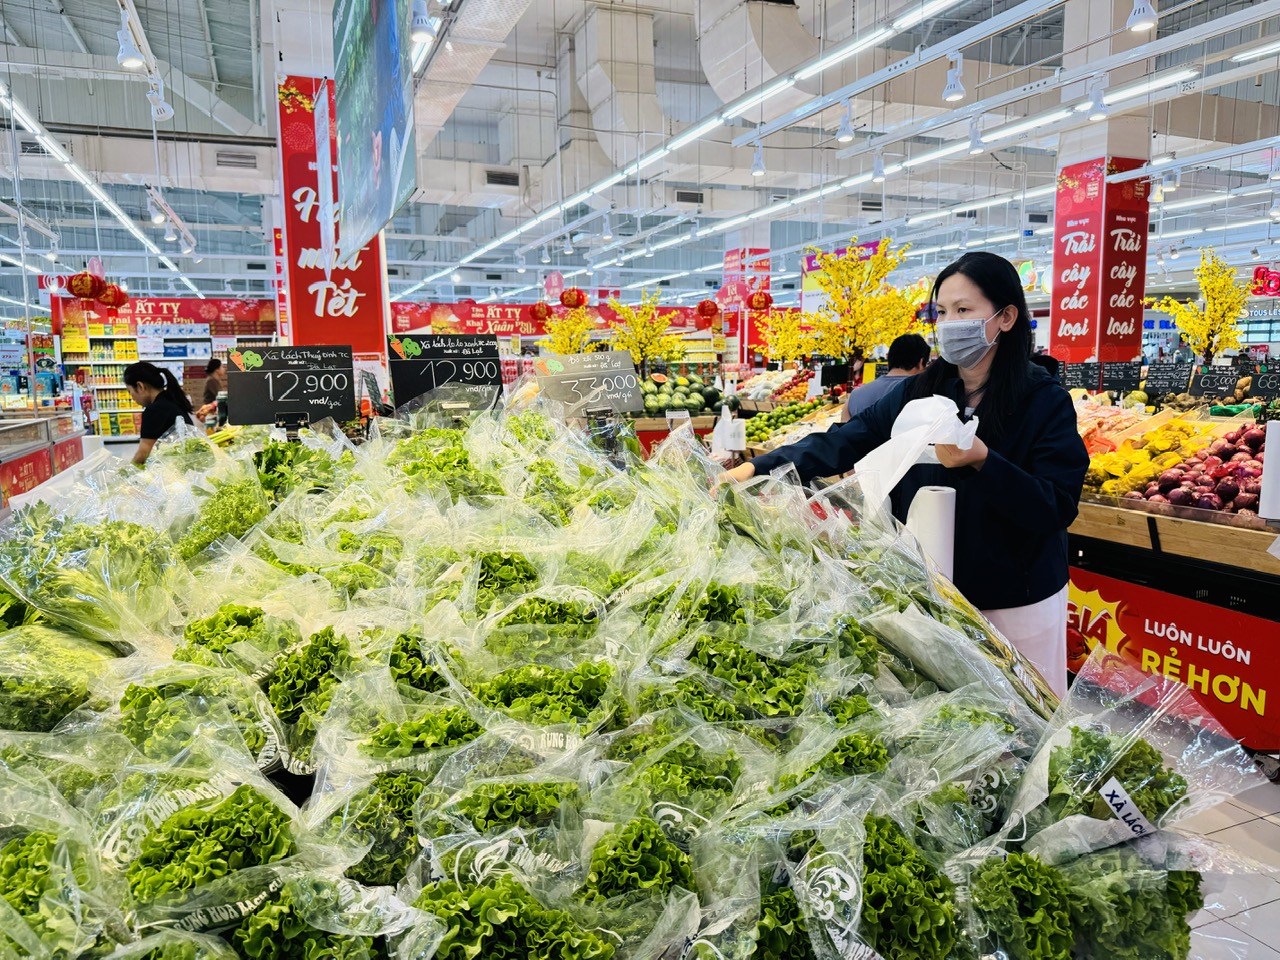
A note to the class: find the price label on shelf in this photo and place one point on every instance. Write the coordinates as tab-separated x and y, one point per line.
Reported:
1266	381
1082	376
422	364
585	381
1121	377
1215	382
1165	378
314	382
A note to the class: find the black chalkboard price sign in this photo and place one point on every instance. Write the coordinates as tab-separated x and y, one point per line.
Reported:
586	381
269	384
1082	376
1121	377
1266	381
1214	382
422	364
1165	378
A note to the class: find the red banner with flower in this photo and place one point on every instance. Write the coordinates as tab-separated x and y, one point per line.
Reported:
346	303
507	319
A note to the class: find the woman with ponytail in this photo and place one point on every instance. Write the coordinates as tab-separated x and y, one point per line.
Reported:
160	395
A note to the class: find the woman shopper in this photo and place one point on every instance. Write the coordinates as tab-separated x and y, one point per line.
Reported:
215	382
1017	488
160	395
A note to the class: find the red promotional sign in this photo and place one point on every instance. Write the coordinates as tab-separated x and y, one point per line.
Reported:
1266	282
1224	656
346	304
67	453
24	474
1099	263
226	318
554	284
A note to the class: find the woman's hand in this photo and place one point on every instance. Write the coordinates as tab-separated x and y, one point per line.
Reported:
949	455
739	474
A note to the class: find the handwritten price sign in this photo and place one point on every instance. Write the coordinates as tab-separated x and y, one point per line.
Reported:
267	383
423	364
585	381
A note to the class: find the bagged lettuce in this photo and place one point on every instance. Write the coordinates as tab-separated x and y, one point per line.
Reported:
46	673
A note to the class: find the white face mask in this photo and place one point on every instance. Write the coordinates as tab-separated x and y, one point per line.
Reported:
964	342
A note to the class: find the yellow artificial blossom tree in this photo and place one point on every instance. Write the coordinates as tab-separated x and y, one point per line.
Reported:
569	333
862	309
787	335
642	330
673	348
1213	325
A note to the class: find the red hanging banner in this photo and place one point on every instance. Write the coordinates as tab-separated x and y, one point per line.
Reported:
1099	263
347	303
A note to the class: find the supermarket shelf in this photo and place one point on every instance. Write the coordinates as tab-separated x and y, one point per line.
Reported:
113	336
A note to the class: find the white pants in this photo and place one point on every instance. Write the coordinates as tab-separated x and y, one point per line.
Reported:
1039	632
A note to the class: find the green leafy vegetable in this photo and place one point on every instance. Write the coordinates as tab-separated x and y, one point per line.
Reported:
1023	904
302	688
636	857
236	636
382	815
908	907
40	882
278	931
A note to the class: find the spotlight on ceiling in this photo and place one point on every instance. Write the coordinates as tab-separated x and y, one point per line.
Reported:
953	92
975	139
1274	212
129	57
757	162
568	245
188	246
1143	17
1255	253
877	168
155	214
456	278
648	248
520	266
170	232
606	228
546	253
845	133
1097	105
420	28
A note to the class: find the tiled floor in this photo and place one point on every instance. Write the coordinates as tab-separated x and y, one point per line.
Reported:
1241	920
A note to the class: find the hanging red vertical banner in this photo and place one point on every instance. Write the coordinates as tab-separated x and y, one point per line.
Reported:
282	291
1099	263
339	302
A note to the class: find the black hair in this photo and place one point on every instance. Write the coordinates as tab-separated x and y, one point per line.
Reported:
1047	363
161	379
1009	375
908	352
212	367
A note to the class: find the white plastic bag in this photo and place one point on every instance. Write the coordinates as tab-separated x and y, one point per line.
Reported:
729	435
921	424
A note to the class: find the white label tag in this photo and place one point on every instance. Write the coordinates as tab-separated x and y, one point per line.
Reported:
814	391
1124	809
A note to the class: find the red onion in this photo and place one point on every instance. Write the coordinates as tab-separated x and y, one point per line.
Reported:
1246	501
1157	498
1227	490
1133	495
1208	501
1212	463
1253	438
1181	497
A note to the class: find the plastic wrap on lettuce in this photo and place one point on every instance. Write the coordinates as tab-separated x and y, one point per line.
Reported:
46	673
1125	755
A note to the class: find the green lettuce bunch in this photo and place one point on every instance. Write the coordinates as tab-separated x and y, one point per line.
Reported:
543	694
200	844
636	857
277	930
45	674
1078	770
908	907
165	714
434	730
230	511
303	686
382	815
1023	905
224	638
40	885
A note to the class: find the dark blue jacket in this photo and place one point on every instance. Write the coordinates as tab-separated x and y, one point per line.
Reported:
1011	516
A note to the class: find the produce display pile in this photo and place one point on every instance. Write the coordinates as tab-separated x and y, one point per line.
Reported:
1182	468
764	425
667	392
484	691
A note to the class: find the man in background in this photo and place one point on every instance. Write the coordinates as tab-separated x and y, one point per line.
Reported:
908	355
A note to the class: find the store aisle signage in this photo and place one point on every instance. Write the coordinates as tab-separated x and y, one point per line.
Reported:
1082	376
305	382
422	364
23	474
508	319
1121	377
345	297
1099	263
1224	656
585	381
1165	378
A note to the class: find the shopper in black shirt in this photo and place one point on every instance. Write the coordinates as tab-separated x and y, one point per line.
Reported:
1017	488
160	395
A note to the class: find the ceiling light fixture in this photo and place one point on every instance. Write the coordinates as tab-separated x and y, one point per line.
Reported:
845	133
1173	252
1157	192
161	109
170	232
1023	126
845	52
520	264
1170	181
975	139
1257	53
421	29
1255	253
129	57
877	168
648	248
953	92
1143	17
1097	104
568	245
456	278
606	228
155	213
546	254
1150	86
52	254
757	162
759	97
1274	212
